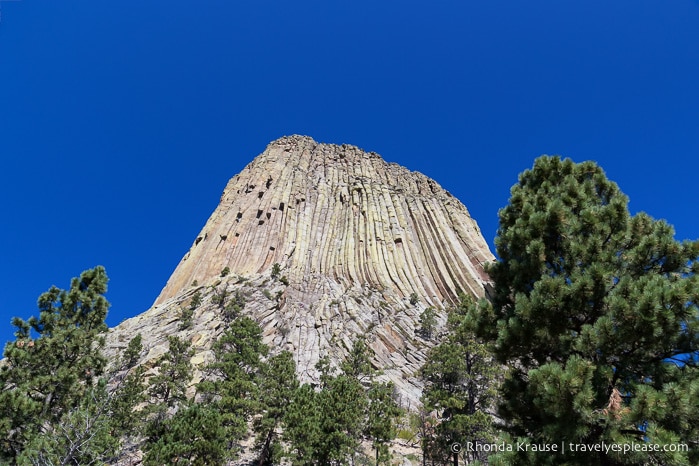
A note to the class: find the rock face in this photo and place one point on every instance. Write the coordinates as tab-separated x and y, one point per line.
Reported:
357	240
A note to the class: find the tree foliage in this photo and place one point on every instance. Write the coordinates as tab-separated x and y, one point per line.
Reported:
358	363
380	424
326	424
428	323
461	382
53	363
59	401
169	386
302	426
277	385
324	427
193	436
167	393
595	313
84	435
128	391
231	383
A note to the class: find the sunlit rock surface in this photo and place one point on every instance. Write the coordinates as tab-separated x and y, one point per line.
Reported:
355	238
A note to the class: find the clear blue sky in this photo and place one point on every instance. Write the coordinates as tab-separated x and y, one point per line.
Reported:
121	121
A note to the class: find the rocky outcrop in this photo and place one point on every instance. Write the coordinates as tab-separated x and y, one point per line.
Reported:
363	247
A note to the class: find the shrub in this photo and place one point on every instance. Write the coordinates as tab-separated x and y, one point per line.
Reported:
185	316
234	307
276	269
196	301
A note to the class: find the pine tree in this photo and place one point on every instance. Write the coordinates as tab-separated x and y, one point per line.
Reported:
380	425
84	435
169	386
358	362
302	426
277	384
325	427
595	313
460	386
381	409
234	307
194	436
343	404
53	363
231	383
428	323
132	352
168	393
128	391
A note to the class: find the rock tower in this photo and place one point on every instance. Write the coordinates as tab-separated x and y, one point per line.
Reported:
363	247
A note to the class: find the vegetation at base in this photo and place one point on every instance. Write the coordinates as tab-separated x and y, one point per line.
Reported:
277	388
63	404
55	404
461	383
194	435
326	425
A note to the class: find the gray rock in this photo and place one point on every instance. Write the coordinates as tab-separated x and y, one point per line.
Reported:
355	237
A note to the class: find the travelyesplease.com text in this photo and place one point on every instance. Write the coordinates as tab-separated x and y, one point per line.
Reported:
562	447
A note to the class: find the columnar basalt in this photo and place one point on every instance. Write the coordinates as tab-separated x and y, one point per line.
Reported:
355	238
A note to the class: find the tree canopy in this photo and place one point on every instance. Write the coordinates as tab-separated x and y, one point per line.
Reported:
460	387
595	313
51	366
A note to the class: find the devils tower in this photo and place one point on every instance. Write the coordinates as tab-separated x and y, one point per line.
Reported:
327	243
